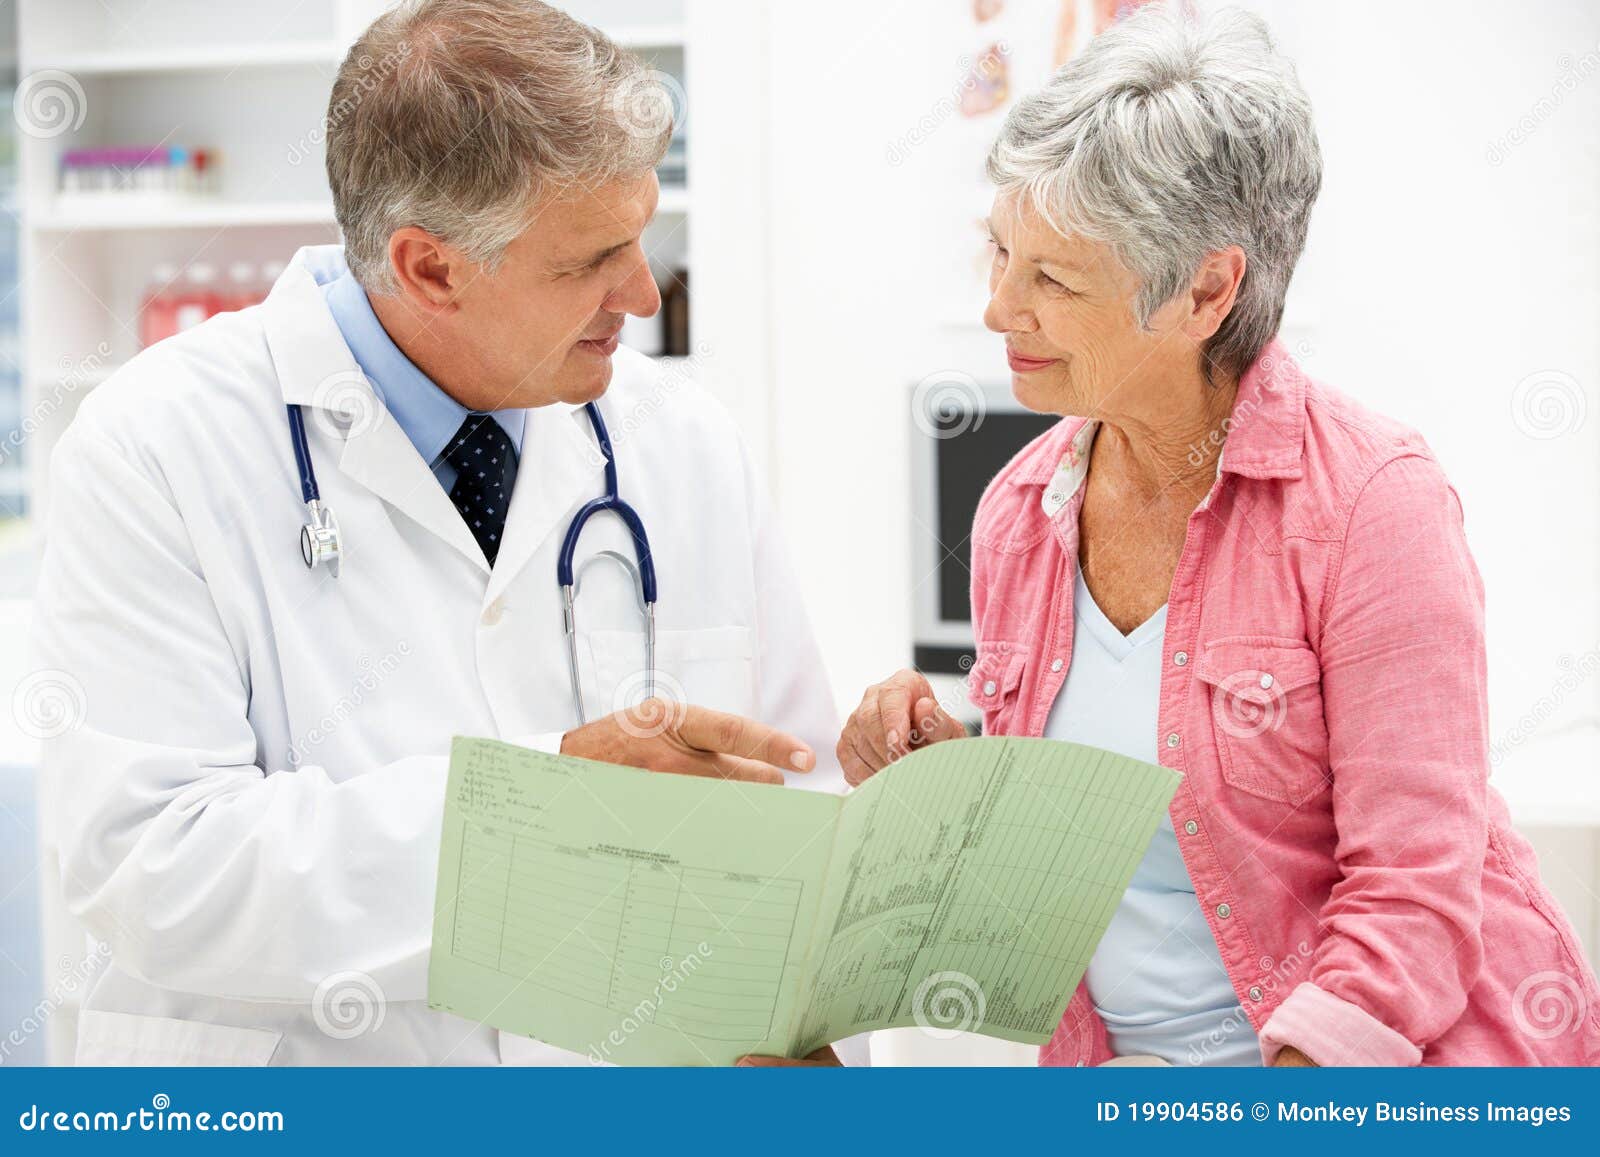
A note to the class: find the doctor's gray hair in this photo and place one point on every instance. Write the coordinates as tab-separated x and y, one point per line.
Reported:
1170	137
460	116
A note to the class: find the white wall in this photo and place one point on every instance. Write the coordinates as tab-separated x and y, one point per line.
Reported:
1454	254
1434	282
861	265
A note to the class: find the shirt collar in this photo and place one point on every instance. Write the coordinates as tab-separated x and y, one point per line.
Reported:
429	416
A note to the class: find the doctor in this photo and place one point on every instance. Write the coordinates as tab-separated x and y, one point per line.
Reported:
248	804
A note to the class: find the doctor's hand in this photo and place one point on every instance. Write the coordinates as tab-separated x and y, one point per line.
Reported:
660	735
895	718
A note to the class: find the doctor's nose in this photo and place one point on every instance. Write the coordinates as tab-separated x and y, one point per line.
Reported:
638	295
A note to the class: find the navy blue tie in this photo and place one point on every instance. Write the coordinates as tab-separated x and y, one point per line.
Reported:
486	467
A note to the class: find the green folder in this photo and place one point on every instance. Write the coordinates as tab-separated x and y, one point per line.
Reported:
650	919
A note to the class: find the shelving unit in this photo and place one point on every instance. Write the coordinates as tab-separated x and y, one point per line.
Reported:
198	58
250	81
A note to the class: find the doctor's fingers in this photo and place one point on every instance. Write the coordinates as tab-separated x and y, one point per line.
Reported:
710	765
718	732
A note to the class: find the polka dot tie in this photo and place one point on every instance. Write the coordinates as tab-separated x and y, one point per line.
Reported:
486	465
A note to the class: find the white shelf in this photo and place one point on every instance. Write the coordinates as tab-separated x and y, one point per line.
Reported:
198	214
221	214
195	58
251	83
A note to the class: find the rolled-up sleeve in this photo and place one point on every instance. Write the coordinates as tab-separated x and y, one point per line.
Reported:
1405	698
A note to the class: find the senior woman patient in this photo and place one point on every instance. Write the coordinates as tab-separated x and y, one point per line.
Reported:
1215	563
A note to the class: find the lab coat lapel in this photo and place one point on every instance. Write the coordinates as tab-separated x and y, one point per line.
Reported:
317	371
378	455
560	467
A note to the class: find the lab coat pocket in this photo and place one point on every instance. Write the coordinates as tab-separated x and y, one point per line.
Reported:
714	667
123	1038
994	683
1266	714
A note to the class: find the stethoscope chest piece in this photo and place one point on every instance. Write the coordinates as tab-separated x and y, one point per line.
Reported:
319	539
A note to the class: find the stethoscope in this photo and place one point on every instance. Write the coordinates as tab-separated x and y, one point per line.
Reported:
320	544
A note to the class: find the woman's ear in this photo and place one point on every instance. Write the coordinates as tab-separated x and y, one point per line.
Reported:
1213	291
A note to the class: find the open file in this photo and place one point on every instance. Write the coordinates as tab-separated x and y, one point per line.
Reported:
661	919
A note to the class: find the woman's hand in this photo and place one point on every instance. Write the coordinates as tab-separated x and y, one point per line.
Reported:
1290	1057
896	717
823	1058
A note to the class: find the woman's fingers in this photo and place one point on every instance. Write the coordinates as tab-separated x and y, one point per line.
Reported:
895	717
856	755
934	724
894	713
856	770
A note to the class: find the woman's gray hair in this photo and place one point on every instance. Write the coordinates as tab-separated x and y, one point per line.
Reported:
458	116
1170	137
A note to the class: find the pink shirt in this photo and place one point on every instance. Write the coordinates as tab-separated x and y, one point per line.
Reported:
1323	692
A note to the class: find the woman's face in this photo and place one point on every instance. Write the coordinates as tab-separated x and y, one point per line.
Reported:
1065	306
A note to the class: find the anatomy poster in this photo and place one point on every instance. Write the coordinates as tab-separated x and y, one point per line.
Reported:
1007	48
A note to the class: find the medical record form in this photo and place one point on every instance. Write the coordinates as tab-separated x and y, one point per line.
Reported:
642	918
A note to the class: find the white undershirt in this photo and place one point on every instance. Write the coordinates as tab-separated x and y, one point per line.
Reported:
1156	978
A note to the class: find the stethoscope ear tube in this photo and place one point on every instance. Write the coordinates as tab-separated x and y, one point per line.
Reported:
320	542
644	575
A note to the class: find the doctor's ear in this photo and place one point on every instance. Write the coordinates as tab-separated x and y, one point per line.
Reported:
429	273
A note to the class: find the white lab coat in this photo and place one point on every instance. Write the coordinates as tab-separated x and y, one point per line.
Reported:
248	806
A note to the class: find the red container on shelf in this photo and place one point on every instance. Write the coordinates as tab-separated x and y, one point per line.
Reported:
158	316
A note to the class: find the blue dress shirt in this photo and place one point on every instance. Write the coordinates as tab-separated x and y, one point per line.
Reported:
429	416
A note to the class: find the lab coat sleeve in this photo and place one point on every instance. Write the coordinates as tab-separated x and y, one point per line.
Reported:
204	871
793	688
